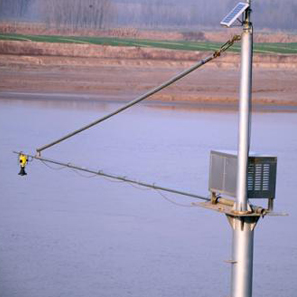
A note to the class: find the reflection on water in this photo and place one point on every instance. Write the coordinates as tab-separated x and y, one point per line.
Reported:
62	234
99	102
61	104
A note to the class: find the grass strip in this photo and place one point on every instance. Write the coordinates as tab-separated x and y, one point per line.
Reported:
265	48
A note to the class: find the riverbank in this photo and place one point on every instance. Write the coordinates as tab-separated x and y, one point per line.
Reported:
116	74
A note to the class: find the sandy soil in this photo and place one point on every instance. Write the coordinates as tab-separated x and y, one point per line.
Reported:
123	78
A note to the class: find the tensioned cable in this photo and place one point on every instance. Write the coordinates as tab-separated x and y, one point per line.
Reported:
117	177
202	62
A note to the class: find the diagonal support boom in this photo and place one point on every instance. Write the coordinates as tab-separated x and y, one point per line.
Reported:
202	62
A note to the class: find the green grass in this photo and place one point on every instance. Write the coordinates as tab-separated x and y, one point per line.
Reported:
265	48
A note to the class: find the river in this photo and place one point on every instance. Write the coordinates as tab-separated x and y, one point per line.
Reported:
66	233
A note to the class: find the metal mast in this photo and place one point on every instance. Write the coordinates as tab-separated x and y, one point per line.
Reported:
245	104
243	226
242	175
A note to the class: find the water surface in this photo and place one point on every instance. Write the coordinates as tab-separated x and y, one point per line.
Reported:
63	234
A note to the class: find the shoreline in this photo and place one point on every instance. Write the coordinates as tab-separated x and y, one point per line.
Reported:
90	100
119	75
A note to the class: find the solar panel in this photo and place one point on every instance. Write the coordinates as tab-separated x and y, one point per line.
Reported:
234	14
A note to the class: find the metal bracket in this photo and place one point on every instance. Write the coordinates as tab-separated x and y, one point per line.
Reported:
226	206
229	210
251	221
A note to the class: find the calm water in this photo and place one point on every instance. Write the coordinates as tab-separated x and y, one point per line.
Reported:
62	234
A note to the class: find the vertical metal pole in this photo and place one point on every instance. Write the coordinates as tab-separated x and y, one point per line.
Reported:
243	227
242	250
245	104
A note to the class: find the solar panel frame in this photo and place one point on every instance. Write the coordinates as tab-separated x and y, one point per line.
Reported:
233	15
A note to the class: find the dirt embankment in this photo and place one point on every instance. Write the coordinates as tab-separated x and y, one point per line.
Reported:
131	54
90	72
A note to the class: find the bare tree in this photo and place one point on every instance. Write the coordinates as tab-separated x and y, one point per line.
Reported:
98	14
76	14
15	9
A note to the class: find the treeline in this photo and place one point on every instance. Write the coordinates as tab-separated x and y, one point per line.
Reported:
97	14
158	13
14	9
76	14
273	14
